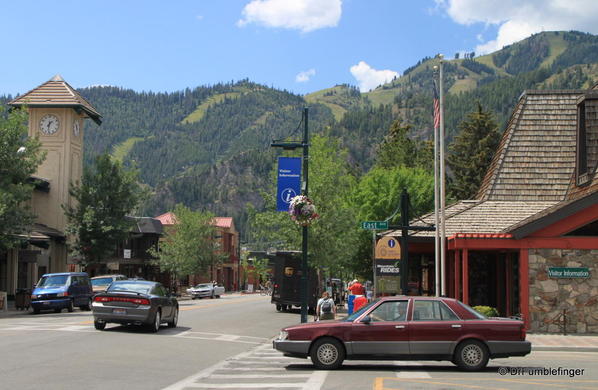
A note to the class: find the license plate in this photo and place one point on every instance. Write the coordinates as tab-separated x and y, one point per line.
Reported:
119	311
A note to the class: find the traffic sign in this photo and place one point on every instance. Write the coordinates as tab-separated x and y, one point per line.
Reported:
374	225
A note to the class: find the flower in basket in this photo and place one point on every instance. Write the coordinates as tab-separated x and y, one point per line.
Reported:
302	210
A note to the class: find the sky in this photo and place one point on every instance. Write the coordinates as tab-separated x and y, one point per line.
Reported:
298	45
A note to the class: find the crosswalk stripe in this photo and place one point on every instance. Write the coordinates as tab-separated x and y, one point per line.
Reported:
413	374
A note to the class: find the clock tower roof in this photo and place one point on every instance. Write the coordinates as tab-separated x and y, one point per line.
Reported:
57	93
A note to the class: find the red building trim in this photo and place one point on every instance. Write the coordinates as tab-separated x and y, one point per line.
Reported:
465	275
570	223
531	242
524	285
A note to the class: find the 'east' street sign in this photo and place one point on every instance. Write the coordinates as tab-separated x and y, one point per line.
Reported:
289	181
374	225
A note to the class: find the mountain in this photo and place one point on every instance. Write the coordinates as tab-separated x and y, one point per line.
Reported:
208	147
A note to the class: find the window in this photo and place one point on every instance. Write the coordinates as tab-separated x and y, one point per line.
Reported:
432	311
390	311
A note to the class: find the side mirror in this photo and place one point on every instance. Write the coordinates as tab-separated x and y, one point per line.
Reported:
366	320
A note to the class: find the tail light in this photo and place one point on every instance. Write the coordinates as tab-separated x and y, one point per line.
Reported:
137	301
63	294
522	332
276	285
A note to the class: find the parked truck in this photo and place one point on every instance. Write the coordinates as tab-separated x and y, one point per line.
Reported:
286	281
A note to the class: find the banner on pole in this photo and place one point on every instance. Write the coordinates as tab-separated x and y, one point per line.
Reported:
289	181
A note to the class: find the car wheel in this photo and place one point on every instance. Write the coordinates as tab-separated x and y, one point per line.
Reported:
86	307
70	307
327	354
278	307
175	318
157	321
471	355
99	325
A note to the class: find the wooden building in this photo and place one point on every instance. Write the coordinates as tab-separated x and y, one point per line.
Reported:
528	243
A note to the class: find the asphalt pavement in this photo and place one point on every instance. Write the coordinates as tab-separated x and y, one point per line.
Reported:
226	344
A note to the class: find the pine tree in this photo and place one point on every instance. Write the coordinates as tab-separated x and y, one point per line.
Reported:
19	158
471	152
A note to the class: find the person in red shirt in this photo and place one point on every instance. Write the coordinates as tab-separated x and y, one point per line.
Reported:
357	288
359	302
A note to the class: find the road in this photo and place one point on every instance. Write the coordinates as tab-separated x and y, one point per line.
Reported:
226	344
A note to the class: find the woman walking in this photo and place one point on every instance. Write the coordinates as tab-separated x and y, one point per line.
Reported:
325	309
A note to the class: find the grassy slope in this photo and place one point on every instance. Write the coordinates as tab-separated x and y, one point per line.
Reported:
201	109
121	150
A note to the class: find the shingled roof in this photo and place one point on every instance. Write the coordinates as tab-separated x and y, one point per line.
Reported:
536	156
531	179
57	93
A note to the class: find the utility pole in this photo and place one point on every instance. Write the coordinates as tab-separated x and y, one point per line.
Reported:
304	191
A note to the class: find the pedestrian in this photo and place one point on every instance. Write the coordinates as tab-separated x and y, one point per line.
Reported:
356	288
325	309
359	302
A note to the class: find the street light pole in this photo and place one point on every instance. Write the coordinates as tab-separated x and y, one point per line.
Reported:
304	187
304	282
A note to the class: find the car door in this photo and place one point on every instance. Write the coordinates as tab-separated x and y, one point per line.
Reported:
164	300
434	328
386	334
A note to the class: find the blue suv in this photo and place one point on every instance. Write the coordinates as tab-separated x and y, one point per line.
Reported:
62	291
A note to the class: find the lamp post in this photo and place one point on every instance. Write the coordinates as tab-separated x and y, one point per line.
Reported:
304	191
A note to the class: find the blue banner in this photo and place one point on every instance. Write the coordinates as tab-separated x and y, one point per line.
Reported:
289	181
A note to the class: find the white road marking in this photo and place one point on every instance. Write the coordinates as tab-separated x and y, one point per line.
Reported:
413	374
270	371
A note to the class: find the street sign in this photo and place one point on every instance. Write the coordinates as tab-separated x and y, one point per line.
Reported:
374	225
568	272
289	181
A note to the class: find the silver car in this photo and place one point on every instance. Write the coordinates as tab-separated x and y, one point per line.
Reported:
205	290
136	302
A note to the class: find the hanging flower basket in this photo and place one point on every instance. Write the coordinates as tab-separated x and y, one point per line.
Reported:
302	210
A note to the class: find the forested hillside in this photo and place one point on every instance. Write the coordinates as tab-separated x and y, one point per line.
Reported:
208	147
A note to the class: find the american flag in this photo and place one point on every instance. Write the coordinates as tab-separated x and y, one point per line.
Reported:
436	108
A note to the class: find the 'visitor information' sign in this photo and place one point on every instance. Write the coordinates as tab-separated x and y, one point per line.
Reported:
289	181
564	272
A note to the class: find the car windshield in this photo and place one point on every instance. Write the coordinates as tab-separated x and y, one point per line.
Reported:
101	281
478	315
142	288
52	281
359	312
203	286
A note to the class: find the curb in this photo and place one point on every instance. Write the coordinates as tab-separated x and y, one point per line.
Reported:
563	348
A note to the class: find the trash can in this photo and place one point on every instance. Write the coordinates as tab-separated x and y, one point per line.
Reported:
350	304
22	298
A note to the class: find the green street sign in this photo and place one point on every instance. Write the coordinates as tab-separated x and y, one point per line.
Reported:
568	272
374	225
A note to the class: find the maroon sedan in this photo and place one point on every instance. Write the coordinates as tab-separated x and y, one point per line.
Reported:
407	328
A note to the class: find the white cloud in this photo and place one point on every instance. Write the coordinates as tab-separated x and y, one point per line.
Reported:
304	15
518	19
304	76
369	78
199	17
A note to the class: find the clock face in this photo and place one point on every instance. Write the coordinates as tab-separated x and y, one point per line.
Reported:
49	124
76	128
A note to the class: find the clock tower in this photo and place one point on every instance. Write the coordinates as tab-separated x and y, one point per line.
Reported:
56	116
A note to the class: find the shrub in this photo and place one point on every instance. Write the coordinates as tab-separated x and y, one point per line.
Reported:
486	310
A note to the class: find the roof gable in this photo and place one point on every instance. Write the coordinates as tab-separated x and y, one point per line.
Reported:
57	93
536	156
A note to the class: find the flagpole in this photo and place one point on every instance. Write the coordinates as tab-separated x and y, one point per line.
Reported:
436	198
442	187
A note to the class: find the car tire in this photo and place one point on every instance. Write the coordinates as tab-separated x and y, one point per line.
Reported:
99	325
70	306
155	327
278	307
471	355
35	310
175	318
86	307
327	354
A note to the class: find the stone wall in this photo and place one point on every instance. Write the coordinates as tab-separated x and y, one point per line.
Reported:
548	297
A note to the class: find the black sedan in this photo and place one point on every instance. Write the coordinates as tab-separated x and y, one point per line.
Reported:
137	302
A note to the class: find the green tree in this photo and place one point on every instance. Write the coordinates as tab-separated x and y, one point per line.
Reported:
471	152
96	223
19	158
189	247
397	149
377	197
